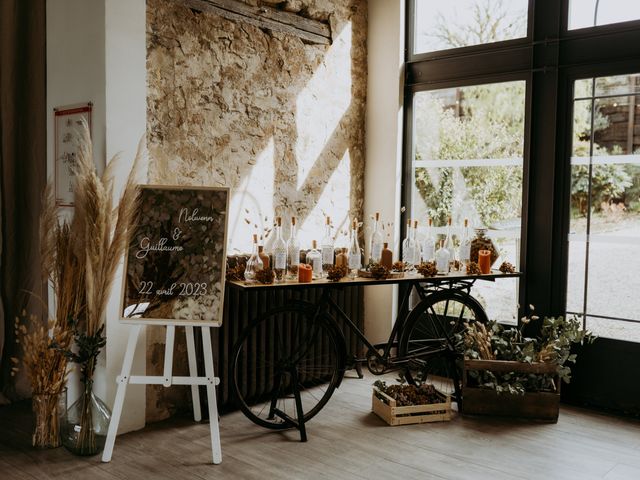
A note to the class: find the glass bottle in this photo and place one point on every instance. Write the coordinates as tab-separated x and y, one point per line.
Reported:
449	244
465	244
354	251
342	259
279	252
327	247
415	244
314	258
293	247
254	264
376	243
443	257
386	257
429	244
408	250
269	239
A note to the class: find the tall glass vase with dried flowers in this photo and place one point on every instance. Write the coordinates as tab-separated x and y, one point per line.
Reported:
100	232
46	369
43	345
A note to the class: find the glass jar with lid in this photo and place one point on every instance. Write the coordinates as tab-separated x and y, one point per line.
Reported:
482	242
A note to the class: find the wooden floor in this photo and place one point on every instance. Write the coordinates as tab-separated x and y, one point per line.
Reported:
346	441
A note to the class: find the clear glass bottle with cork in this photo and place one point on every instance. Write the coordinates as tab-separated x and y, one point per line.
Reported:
327	247
254	264
354	253
279	252
293	248
376	243
314	258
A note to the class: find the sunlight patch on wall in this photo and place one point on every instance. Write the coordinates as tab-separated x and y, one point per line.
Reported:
252	200
335	202
322	103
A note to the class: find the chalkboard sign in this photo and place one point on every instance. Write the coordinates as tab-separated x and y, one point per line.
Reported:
175	263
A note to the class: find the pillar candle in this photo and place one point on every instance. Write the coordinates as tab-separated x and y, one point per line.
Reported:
484	261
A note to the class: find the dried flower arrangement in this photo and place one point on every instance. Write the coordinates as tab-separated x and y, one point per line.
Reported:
378	271
336	273
46	369
473	268
86	253
507	267
427	269
236	272
265	276
408	395
398	266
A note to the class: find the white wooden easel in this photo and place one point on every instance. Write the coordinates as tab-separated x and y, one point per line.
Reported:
209	380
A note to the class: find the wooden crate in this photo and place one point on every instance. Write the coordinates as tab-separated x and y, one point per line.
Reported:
388	411
543	406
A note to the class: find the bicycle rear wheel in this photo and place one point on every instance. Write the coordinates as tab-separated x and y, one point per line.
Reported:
428	339
284	349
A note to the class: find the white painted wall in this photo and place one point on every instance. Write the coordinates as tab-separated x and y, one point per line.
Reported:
383	167
96	51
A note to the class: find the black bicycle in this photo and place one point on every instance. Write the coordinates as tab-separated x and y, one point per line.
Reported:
284	382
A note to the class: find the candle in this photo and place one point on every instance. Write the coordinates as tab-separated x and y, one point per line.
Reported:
484	261
305	273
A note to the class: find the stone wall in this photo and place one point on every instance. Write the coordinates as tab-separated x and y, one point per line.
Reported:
279	121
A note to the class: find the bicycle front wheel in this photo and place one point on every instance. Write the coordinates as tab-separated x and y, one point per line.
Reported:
429	337
284	350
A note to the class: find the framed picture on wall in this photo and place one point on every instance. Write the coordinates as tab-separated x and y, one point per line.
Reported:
67	123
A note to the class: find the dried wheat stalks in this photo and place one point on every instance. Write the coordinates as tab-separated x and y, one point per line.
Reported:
477	337
44	366
102	232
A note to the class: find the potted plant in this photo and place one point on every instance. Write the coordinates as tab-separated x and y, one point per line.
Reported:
508	373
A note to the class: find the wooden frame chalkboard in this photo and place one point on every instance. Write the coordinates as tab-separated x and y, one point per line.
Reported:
174	269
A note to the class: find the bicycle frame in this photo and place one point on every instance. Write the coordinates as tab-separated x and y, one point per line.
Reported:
423	289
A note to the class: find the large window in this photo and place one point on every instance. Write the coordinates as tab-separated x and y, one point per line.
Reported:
468	164
441	25
490	136
604	235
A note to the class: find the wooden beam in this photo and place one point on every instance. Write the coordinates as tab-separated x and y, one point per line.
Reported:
312	31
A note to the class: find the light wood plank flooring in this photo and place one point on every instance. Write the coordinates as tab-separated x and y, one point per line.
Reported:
346	441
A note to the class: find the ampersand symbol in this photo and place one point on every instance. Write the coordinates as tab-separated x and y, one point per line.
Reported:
176	233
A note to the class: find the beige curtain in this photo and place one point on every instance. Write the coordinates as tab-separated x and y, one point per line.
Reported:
22	172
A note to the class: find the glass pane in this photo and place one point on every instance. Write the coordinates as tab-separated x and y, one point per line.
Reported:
607	328
593	13
468	164
440	25
604	248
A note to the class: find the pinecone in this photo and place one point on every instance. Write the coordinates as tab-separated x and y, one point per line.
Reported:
507	267
266	276
398	267
336	273
379	272
473	268
427	269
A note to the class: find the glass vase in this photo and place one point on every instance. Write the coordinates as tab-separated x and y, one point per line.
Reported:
482	242
49	411
86	423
